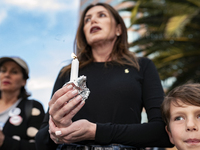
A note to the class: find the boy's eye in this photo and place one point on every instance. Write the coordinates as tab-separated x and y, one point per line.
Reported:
2	70
178	118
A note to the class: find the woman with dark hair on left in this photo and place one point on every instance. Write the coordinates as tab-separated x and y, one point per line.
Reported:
20	118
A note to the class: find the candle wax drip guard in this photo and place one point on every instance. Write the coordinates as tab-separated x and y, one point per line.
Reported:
80	85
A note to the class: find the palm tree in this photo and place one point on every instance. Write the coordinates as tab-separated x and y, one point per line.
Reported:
172	37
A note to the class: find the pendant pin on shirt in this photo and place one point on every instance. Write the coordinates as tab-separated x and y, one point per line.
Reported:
15	118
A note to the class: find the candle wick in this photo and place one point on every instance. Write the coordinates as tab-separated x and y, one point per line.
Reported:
74	57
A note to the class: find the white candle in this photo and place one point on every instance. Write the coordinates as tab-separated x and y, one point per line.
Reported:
74	68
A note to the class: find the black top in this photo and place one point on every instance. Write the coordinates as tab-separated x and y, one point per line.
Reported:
118	95
21	135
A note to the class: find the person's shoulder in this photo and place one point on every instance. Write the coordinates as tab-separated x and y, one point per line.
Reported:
146	64
64	71
144	61
34	103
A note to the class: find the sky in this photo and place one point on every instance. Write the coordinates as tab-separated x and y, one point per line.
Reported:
42	33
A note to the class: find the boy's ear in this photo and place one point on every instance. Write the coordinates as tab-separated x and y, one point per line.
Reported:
170	135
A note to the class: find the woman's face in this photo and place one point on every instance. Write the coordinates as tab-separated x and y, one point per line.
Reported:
100	26
11	77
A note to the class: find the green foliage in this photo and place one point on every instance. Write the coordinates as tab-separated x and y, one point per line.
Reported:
172	37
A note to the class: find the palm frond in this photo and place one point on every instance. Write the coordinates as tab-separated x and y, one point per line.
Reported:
172	37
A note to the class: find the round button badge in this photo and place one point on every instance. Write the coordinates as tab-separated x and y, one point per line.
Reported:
14	112
15	120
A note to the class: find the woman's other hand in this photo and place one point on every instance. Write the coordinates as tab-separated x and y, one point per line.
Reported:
78	131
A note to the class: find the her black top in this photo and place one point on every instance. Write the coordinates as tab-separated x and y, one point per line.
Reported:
118	95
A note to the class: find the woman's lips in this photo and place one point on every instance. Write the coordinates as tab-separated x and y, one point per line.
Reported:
6	82
94	29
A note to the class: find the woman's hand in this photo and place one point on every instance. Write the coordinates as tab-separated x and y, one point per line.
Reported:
64	104
2	137
78	131
53	131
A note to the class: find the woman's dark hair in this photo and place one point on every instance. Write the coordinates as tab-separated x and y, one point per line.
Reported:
23	93
120	52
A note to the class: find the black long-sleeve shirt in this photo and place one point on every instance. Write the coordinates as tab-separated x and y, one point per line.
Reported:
22	136
118	95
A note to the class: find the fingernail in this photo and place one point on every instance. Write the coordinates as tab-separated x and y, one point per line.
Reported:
82	102
69	86
58	132
78	98
74	92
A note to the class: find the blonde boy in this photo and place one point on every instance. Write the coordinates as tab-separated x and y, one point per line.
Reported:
181	113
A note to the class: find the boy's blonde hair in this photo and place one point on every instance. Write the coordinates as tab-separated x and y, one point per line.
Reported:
188	94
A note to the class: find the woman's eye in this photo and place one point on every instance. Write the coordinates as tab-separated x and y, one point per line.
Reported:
102	15
14	72
87	20
198	116
179	118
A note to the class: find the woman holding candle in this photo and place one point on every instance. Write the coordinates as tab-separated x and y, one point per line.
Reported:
121	85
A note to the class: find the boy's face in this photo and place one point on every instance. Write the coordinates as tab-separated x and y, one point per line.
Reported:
185	126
